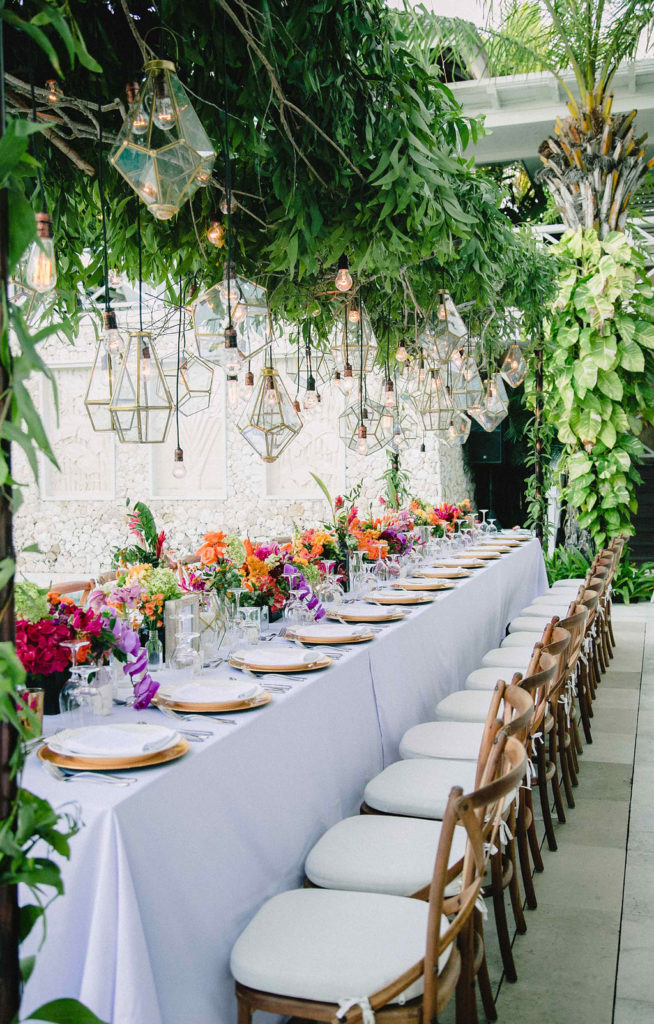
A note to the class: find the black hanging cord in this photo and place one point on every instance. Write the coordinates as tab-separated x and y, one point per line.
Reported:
107	297
35	150
179	352
140	250
361	370
228	177
347	354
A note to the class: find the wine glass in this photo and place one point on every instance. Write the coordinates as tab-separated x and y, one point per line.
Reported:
80	697
380	567
329	591
492	528
185	656
483	526
293	613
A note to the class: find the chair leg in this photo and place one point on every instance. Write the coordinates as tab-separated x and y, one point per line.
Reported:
514	884
244	1012
465	995
609	621
554	761
564	759
584	700
532	835
483	977
501	922
523	853
544	798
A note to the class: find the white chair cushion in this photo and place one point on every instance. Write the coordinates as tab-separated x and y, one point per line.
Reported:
530	623
464	706
560	609
379	853
522	639
556	598
517	659
569	583
486	678
419	788
460	740
326	945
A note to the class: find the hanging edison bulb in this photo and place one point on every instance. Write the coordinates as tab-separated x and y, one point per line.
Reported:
179	468
162	150
389	394
41	267
53	92
270	421
141	404
459	429
104	375
343	279
216	233
250	321
493	406
514	367
322	366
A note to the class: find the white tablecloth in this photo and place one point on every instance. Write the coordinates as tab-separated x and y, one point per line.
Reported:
165	874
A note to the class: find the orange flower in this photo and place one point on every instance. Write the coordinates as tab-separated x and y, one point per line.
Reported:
207	554
53	597
218	541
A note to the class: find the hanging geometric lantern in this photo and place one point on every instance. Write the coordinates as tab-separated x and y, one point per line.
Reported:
322	366
407	428
494	404
466	386
435	405
443	330
162	148
514	367
270	422
250	331
371	418
195	381
104	375
353	345
141	405
459	429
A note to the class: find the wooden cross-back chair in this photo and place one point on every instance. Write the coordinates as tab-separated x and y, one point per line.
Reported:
557	643
448	964
562	701
81	587
587	668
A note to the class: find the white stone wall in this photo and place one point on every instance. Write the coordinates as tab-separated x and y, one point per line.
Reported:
76	514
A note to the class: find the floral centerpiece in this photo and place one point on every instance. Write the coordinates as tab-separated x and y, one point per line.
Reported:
40	643
148	545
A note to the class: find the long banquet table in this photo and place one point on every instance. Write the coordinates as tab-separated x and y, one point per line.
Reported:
166	873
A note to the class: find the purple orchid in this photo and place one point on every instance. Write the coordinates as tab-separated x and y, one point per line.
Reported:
299	583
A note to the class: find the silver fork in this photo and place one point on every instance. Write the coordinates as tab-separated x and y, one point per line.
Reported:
195	735
67	775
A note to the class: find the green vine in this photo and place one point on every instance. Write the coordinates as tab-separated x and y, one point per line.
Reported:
396	481
599	376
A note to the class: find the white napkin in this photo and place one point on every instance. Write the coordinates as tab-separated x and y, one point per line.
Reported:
328	630
119	739
369	610
278	658
441	574
411	595
212	691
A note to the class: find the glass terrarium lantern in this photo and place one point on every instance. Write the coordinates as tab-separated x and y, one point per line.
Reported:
229	340
459	429
494	404
435	405
141	405
162	150
443	331
371	418
195	381
270	421
353	345
514	367
466	385
104	375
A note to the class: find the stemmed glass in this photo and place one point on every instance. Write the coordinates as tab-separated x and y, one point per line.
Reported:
294	609
483	526
492	528
380	567
79	696
329	591
185	656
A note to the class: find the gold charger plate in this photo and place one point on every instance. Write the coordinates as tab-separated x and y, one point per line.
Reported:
107	764
406	598
310	666
443	574
470	563
228	705
426	584
361	639
485	554
362	617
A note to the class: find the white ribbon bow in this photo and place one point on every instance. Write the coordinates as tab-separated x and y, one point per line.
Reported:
345	1005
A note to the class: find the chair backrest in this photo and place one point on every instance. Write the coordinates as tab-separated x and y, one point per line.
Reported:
575	625
557	648
539	685
518	710
474	811
81	587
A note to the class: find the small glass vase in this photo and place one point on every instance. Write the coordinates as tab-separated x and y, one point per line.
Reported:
154	649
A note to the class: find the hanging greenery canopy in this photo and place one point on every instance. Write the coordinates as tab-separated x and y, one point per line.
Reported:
343	139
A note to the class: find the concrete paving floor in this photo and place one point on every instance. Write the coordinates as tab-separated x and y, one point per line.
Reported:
588	954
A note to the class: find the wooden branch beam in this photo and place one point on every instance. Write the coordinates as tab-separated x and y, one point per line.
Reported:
57	141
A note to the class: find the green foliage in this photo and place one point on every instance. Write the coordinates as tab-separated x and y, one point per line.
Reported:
30	601
599	376
396	481
632	581
64	1011
564	564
